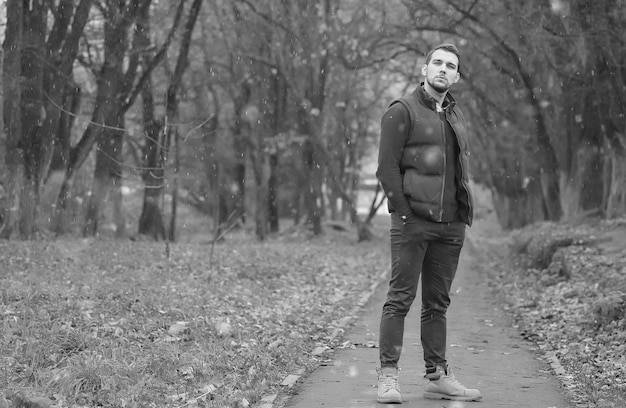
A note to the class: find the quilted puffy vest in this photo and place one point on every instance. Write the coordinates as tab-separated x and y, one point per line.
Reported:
422	162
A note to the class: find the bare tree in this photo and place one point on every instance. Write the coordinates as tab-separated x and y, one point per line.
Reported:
119	82
159	135
12	61
603	24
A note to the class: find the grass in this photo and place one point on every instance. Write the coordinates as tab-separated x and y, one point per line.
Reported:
119	324
577	317
123	324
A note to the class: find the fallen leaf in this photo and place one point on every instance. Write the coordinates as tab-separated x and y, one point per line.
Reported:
320	350
178	328
224	328
290	380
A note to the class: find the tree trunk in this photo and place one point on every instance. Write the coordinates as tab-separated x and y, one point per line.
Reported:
63	214
311	168
119	219
601	22
261	207
11	104
548	164
239	175
99	191
517	205
616	203
34	146
240	133
159	133
109	115
62	136
261	173
298	194
216	198
107	175
174	142
352	169
581	188
107	118
255	152
578	150
2	129
279	93
311	111
611	110
213	170
117	89
272	189
62	95
377	201
151	221
313	193
363	228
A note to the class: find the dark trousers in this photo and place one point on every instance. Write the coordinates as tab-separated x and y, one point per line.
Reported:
432	250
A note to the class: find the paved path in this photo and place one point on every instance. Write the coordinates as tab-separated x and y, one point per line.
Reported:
484	352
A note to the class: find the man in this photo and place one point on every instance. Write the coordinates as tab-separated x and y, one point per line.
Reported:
423	168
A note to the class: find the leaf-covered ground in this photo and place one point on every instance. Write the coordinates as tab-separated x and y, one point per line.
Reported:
120	324
566	287
124	324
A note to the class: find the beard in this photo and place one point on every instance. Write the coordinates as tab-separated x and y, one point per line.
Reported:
439	86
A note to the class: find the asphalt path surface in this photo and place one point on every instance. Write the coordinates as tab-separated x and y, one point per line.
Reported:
484	351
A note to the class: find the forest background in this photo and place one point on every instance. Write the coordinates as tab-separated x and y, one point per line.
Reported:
251	128
257	111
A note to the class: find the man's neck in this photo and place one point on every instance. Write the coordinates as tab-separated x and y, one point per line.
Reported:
437	96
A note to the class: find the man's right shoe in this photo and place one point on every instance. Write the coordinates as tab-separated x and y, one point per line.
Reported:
388	388
444	386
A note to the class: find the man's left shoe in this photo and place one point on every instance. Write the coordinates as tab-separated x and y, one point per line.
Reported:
446	387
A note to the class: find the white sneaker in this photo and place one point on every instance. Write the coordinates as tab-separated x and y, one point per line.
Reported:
446	387
388	388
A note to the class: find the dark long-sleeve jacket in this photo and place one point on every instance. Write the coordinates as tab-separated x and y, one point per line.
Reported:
412	157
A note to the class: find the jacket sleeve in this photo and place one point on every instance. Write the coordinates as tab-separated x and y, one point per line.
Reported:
394	128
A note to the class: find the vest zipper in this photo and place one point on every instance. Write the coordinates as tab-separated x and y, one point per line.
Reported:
443	179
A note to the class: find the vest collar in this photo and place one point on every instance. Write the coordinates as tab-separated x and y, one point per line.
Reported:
448	103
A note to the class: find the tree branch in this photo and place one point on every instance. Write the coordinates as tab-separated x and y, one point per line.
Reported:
160	55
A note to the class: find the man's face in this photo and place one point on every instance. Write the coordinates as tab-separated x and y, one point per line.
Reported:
442	71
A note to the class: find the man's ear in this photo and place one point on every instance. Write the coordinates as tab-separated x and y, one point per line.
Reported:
457	77
424	69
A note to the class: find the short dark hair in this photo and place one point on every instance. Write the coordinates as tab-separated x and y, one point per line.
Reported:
446	47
